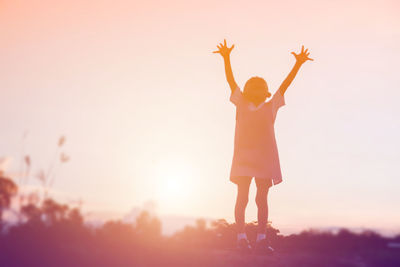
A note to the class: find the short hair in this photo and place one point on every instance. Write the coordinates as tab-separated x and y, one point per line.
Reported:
254	81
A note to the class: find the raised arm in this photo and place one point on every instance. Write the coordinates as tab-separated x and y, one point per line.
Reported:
300	59
225	53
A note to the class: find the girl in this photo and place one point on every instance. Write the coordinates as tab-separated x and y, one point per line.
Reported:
255	150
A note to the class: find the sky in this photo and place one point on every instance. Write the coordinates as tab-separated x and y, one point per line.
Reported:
144	104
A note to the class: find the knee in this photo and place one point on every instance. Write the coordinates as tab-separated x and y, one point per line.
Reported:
242	200
261	199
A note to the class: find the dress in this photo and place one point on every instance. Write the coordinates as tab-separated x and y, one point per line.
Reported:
255	150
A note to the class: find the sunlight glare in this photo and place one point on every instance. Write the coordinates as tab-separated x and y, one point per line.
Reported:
173	184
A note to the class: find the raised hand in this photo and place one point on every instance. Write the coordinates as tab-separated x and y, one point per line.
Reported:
302	56
224	50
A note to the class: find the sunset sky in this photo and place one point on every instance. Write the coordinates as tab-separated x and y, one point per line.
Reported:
144	104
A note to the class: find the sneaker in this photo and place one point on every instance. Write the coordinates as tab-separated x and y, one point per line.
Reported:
244	245
264	247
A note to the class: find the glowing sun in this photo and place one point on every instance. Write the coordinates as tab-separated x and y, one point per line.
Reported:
173	183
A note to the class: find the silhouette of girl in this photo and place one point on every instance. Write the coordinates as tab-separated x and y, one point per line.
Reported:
255	150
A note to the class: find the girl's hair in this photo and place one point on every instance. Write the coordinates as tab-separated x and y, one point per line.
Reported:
255	82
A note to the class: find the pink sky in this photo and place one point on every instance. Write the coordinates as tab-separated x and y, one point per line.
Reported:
144	104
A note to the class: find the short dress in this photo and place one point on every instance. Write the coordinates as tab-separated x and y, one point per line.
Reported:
255	150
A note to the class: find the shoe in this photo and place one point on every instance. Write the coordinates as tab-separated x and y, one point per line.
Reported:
243	245
264	247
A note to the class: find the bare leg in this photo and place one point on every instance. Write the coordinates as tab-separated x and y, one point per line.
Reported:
242	199
263	186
